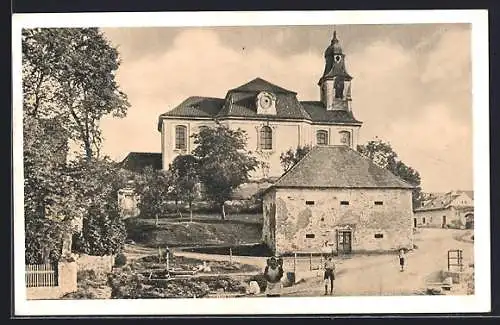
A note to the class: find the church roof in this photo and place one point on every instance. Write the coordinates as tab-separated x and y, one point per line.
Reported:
338	167
259	84
241	102
137	161
318	113
197	106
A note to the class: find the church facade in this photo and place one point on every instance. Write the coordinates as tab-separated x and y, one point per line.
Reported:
272	117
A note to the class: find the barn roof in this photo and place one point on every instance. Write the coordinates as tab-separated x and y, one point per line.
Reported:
338	167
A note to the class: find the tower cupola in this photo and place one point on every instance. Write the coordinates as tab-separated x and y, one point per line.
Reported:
335	83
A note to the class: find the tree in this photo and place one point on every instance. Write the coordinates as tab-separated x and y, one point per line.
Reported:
383	155
185	179
154	188
97	183
290	158
47	191
223	162
69	73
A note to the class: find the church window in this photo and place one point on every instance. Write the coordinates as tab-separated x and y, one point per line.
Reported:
180	137
379	203
344	202
266	138
345	138
310	236
309	202
322	137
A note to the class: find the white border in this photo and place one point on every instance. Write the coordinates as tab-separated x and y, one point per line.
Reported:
480	302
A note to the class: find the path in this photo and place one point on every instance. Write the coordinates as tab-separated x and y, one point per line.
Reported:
380	275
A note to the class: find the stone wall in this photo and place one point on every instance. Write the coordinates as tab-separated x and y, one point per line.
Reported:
99	264
67	282
307	220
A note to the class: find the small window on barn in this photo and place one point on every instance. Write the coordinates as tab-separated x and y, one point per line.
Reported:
379	203
310	236
379	236
309	202
423	220
344	202
322	219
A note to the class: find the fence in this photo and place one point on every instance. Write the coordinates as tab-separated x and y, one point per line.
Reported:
303	262
41	275
47	281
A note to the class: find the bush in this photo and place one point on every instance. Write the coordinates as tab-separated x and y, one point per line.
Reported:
261	281
120	259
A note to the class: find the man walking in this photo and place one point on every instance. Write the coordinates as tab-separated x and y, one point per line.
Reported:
329	274
402	259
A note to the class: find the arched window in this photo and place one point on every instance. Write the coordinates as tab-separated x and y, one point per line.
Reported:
322	137
180	137
266	138
345	138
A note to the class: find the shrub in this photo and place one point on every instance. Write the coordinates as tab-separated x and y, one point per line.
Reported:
261	281
120	259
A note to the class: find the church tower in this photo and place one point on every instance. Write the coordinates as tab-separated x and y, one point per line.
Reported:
335	84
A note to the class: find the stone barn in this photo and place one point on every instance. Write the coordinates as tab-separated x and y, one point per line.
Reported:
336	200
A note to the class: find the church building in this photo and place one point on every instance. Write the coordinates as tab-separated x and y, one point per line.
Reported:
273	117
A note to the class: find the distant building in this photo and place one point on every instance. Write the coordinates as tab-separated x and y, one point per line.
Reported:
137	161
273	117
440	210
338	199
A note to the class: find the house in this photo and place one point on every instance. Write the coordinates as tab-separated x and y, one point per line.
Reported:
338	199
442	210
273	117
135	162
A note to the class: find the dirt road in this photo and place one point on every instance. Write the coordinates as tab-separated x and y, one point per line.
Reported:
380	275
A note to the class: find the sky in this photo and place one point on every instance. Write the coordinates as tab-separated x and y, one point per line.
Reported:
411	86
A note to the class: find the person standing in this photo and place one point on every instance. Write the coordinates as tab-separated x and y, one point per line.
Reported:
273	274
402	259
329	274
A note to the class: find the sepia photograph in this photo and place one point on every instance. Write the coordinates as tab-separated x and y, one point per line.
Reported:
334	161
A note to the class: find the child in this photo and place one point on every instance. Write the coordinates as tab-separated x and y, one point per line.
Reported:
273	274
329	274
402	259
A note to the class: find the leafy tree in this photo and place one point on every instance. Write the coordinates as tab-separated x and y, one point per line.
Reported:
383	155
223	162
290	158
46	190
155	189
185	179
97	183
69	73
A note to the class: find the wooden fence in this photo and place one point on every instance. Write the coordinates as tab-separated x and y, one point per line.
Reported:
41	275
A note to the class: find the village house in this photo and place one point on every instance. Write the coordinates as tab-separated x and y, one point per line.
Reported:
273	117
441	210
335	198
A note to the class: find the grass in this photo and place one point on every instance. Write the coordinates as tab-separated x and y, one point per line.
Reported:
91	285
176	234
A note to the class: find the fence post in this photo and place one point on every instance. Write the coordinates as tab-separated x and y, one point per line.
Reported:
230	255
310	261
168	259
294	262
